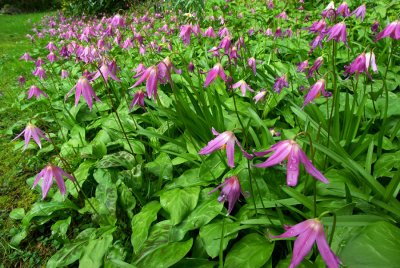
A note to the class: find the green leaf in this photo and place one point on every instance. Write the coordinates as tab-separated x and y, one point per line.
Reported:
126	199
141	223
166	255
81	174
212	168
46	209
161	167
179	202
253	250
120	159
385	164
195	263
205	211
211	235
17	214
95	250
107	196
61	227
377	245
68	254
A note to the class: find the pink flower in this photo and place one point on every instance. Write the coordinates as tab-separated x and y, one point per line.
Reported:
210	32
216	71
289	150
308	232
48	173
21	80
302	66
392	30
151	77
51	47
317	26
338	33
243	87
105	72
138	99
317	64
280	83
375	26
26	57
64	74
39	62
230	192
31	131
84	88
52	57
185	32
282	15
117	20
40	72
251	62
317	41
361	65
164	70
359	12
224	140
329	11
315	91
343	10
260	95
35	91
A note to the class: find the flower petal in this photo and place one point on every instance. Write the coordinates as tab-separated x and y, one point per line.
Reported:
311	169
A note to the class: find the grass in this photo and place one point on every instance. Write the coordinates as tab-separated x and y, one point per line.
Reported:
14	192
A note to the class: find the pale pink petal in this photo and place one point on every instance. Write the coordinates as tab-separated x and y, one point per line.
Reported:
310	168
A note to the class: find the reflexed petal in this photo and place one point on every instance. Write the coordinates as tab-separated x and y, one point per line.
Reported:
303	245
278	156
215	144
211	76
292	172
331	260
58	176
230	152
47	181
310	168
294	230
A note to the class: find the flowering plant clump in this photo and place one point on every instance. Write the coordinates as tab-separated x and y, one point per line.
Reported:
141	170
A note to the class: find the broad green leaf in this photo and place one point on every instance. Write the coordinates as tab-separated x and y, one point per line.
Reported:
212	168
17	214
161	167
61	227
17	238
126	199
211	235
141	223
93	253
205	211
377	245
166	255
179	202
120	159
68	254
107	196
195	263
253	250
81	174
46	209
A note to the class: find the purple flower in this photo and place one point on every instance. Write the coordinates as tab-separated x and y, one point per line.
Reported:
48	173
282	15
138	99
375	26
84	88
308	232
26	57
280	83
224	140
317	26
105	72
164	70
151	77
39	62
359	12
392	30
230	192
191	67
64	74
315	91
329	11
40	72
289	150
317	64
31	131
251	62
51	47
343	10
361	65
216	71
243	87
35	91
260	95
185	32
21	80
317	41
210	32
338	33
52	57
302	66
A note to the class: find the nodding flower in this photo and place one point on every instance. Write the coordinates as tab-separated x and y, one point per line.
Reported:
138	99
230	192
307	233
361	65
32	131
84	88
251	62
225	140
302	66
315	91
35	91
48	173
216	71
290	150
343	10
243	87
315	67
338	33
392	31
280	83
359	12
